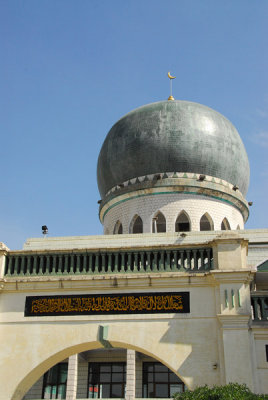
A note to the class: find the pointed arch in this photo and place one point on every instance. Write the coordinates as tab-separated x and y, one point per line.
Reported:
118	228
159	223
238	227
225	226
183	223
136	225
206	223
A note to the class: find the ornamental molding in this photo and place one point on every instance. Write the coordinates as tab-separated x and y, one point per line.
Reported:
174	183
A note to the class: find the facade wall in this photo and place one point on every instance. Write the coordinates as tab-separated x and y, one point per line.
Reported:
211	344
170	206
187	343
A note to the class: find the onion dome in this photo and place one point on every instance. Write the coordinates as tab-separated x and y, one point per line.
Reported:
171	136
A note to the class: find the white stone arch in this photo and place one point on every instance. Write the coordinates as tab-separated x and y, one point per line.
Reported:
225	226
136	224
159	223
118	228
206	223
28	380
183	222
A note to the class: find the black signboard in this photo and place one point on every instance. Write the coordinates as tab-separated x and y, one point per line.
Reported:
102	304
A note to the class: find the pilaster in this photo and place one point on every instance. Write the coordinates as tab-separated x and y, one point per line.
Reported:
72	377
131	374
237	349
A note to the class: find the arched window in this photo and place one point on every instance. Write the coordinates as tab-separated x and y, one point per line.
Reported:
136	225
238	227
206	223
159	223
118	228
182	223
225	226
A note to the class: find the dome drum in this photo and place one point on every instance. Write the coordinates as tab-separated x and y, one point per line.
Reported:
170	206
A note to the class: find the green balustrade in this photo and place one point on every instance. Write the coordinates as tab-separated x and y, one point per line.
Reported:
109	262
259	307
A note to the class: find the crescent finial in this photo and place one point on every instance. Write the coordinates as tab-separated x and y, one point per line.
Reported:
171	77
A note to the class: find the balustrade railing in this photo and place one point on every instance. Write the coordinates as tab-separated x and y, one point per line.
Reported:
109	262
259	307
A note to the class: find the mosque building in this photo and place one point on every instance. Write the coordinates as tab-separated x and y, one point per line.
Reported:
173	296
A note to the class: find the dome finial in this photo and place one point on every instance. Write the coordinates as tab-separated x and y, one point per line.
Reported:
170	78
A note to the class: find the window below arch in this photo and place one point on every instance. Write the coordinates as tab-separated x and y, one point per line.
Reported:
206	223
225	226
118	228
160	382
182	223
159	223
136	225
106	380
55	382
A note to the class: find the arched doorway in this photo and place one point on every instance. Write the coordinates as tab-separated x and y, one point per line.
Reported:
104	373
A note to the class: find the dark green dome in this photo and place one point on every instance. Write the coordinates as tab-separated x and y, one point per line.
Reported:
169	136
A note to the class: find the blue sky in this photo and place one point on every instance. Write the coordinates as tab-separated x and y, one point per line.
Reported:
70	69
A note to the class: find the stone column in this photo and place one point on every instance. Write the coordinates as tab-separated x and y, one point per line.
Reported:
155	225
72	377
131	375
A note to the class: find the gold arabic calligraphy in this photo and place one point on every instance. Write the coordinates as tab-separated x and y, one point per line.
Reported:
107	304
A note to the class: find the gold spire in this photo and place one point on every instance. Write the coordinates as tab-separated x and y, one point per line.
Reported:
170	78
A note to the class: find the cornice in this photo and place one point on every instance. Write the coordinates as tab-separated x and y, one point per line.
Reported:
108	282
231	276
234	322
260	330
180	244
